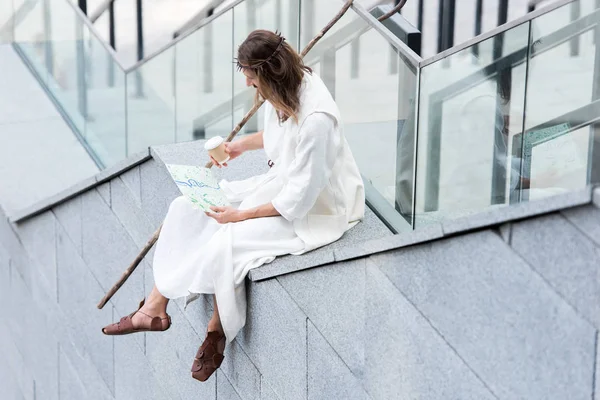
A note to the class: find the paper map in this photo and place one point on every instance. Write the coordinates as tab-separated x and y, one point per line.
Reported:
199	185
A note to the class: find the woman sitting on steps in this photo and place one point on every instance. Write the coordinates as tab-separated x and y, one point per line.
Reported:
312	194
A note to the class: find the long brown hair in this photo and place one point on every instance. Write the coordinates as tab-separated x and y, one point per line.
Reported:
279	70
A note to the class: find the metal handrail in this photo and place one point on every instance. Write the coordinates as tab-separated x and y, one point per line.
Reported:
517	57
95	33
100	10
405	52
546	43
183	36
334	41
198	17
532	4
496	31
20	13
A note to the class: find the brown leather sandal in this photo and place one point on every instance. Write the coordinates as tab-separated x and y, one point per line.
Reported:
209	356
125	325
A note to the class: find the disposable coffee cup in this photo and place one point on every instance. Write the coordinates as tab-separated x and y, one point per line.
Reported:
216	148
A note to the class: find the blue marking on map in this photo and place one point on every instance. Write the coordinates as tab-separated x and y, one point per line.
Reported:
194	183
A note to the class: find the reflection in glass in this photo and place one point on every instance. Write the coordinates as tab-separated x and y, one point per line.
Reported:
204	87
106	119
151	103
467	117
66	72
30	34
6	15
562	102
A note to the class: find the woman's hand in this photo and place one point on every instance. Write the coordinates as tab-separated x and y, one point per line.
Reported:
225	215
233	149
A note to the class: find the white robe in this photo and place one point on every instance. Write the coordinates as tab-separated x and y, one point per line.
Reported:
314	184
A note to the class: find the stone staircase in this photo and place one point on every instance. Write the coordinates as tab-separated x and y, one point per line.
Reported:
503	304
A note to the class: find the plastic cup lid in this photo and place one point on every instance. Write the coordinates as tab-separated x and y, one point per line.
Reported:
213	143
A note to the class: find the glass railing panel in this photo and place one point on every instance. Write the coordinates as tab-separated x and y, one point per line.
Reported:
30	34
467	118
204	86
67	75
106	126
273	15
315	14
563	103
125	31
151	103
7	14
375	90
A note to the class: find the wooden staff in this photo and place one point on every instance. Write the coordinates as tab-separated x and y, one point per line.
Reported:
232	135
393	11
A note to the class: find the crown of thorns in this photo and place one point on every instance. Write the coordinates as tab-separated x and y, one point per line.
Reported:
266	60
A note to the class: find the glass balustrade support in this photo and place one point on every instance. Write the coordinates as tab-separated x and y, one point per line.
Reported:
208	59
139	24
49	54
446	23
594	153
575	15
278	13
354	58
308	28
328	70
503	101
478	25
111	26
250	15
440	30
420	15
112	43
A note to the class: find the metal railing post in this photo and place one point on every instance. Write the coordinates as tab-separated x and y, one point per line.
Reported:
354	58
252	124
420	15
503	99
594	147
309	22
208	60
278	13
140	46
81	65
328	70
575	15
112	42
478	24
48	52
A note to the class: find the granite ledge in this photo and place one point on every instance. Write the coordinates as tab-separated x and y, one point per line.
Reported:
83	186
484	220
500	215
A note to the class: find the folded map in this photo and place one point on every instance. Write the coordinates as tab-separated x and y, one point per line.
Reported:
199	185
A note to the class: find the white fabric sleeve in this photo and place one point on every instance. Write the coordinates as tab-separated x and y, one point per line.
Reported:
316	152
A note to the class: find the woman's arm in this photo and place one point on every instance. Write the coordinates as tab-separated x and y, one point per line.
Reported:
252	142
236	148
224	215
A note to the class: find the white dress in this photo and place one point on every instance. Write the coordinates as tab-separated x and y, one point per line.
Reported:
195	254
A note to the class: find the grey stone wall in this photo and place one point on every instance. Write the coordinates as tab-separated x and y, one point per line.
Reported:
503	312
58	262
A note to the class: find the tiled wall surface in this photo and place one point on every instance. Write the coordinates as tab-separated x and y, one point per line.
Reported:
494	314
